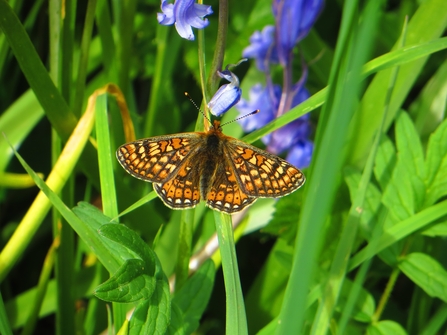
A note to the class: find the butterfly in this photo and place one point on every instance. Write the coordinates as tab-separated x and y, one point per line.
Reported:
228	174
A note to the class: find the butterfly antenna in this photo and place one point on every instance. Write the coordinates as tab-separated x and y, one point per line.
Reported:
197	107
241	117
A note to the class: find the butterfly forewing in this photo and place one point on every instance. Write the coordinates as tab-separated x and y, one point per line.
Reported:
262	174
157	159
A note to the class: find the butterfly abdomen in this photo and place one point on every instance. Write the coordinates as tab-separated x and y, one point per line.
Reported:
212	156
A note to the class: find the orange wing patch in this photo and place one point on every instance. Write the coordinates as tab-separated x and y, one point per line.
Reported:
181	191
225	195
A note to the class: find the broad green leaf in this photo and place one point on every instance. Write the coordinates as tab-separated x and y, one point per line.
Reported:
427	23
265	296
385	161
132	282
370	212
427	273
285	218
439	229
372	200
399	231
177	325
410	153
386	327
428	110
404	193
409	146
193	296
93	218
126	237
153	316
436	165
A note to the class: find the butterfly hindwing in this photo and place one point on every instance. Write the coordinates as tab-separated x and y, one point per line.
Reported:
225	194
181	191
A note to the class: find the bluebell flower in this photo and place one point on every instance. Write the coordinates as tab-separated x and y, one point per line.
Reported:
293	21
286	137
185	14
262	98
293	137
301	153
227	95
262	48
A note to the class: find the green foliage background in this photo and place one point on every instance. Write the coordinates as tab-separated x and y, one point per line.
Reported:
359	249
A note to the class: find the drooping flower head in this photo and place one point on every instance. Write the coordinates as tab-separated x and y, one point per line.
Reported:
261	98
227	95
293	137
293	21
262	48
184	14
275	44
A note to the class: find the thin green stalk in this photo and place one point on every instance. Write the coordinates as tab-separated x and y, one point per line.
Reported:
353	296
83	59
236	320
44	280
124	12
61	51
184	247
386	295
162	48
219	51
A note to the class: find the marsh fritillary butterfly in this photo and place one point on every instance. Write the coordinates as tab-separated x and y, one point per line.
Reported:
225	172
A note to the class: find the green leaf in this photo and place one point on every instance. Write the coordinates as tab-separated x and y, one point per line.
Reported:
404	193
193	297
371	204
436	165
439	229
130	283
399	231
386	327
385	161
177	325
126	237
427	273
365	305
94	219
410	153
139	279
153	316
285	218
426	24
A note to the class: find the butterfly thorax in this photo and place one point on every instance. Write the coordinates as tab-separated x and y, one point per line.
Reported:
213	155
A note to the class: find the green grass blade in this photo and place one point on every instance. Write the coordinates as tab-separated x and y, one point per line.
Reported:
4	323
236	320
322	178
